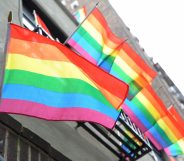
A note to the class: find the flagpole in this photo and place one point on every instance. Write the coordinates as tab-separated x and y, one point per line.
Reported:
80	24
36	21
2	71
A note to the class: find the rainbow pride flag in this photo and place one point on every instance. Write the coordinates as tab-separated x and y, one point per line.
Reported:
80	15
165	132
95	41
145	109
45	79
149	113
131	68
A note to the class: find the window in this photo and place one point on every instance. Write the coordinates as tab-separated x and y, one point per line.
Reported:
74	5
29	21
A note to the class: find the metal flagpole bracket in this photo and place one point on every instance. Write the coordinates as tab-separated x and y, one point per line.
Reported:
2	69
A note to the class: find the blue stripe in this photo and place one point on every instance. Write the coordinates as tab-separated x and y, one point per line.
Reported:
86	46
54	99
138	113
158	137
106	65
119	75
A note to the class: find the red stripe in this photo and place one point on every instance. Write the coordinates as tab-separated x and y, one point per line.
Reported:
140	62
112	84
100	18
174	113
176	123
156	97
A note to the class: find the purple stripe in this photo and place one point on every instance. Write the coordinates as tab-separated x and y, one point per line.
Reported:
49	113
155	142
167	151
133	117
79	49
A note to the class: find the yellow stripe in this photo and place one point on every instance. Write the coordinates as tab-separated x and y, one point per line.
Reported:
181	144
125	67
46	67
130	68
55	69
167	130
107	50
97	36
150	108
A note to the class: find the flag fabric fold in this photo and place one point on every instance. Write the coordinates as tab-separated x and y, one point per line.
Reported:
146	108
95	41
165	132
149	113
143	105
45	79
132	69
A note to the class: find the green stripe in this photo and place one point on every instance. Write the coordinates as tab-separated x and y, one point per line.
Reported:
163	134
87	36
90	40
61	85
134	88
121	74
142	108
107	62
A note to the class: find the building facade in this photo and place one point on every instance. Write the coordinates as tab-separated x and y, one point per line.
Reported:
29	139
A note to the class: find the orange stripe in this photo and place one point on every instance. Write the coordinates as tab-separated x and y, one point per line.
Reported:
176	123
173	112
99	16
44	52
98	21
172	127
157	99
148	71
105	34
113	85
36	50
154	101
139	80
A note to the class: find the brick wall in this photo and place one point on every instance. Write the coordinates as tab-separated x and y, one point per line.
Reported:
18	143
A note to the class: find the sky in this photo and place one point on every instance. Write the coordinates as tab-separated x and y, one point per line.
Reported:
159	26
